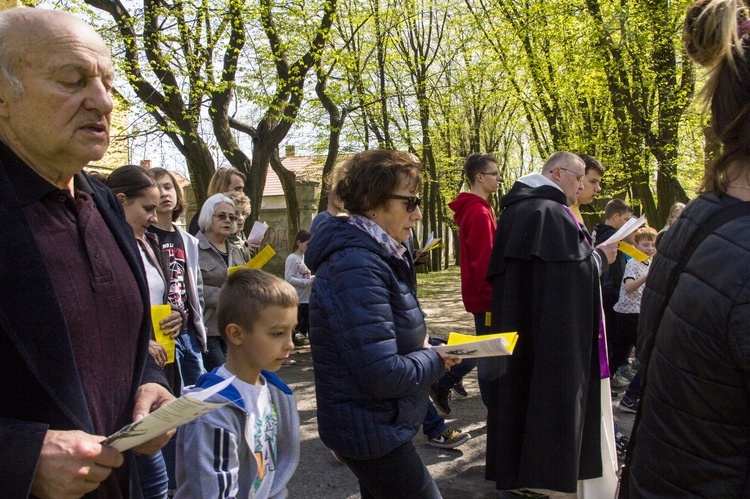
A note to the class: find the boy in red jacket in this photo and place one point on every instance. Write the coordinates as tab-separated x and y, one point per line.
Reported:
476	232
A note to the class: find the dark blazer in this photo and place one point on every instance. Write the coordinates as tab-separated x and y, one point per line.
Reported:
40	388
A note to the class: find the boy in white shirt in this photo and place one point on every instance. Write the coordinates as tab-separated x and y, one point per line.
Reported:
249	448
628	307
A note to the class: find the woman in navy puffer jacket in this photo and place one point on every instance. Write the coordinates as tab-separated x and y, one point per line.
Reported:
373	365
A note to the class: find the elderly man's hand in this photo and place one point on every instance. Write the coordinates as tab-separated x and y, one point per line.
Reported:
610	250
72	463
149	398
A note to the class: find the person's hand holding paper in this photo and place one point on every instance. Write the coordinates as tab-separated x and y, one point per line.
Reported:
256	234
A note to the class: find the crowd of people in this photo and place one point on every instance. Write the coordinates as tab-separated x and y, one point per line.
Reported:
83	262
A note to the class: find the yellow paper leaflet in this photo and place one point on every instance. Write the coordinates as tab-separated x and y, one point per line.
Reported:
632	251
459	339
158	314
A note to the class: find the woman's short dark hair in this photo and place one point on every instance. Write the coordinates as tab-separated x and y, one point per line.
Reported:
367	179
131	180
179	206
717	36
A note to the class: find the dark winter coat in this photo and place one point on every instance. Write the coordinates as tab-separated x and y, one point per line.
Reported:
372	373
694	436
543	428
612	279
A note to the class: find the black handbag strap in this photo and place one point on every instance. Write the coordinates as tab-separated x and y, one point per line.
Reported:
721	217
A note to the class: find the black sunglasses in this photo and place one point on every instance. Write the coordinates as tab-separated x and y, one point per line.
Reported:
412	202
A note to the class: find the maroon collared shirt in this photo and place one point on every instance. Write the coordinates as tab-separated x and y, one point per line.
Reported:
98	295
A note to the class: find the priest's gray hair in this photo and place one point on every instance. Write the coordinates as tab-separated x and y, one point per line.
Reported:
561	159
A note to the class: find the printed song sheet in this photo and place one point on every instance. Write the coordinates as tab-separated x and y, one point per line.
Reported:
470	346
178	412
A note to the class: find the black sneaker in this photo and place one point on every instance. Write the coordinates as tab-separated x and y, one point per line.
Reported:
441	398
628	405
459	390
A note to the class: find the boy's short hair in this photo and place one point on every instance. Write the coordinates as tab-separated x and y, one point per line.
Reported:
616	207
592	163
246	293
475	163
645	234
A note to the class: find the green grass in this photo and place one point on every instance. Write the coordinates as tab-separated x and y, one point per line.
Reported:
433	283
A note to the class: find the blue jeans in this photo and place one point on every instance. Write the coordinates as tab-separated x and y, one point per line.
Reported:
189	358
152	473
400	474
217	353
433	423
484	364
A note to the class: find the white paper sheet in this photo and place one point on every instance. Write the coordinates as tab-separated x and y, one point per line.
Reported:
178	412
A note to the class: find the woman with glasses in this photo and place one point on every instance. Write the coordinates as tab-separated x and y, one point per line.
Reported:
217	221
372	360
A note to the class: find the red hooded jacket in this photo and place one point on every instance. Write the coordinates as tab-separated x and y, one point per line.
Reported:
476	232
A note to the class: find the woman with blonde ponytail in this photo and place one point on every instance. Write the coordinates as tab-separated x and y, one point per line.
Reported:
692	432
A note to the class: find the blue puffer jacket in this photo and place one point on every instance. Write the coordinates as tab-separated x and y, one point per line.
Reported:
372	373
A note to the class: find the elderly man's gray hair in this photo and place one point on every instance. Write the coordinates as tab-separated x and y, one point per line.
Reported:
561	159
9	55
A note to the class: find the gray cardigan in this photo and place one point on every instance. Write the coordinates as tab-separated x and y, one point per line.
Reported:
214	272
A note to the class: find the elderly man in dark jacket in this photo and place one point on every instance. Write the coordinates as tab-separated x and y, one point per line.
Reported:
74	307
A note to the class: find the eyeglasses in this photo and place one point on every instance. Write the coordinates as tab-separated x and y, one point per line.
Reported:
579	176
223	216
494	174
412	202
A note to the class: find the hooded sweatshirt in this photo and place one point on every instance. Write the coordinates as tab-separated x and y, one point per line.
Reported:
232	472
476	232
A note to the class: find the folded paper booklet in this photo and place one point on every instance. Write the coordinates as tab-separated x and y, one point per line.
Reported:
158	314
256	262
432	243
178	412
469	346
628	228
262	258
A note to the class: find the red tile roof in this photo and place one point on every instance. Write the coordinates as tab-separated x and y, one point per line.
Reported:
305	167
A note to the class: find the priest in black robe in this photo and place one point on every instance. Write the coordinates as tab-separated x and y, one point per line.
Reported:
543	428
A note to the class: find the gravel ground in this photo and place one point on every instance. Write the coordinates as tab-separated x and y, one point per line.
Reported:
459	472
